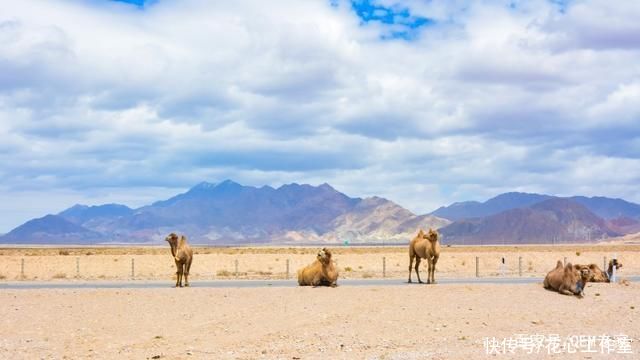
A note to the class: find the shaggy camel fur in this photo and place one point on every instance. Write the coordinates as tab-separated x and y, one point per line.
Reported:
425	245
321	272
183	256
567	280
597	275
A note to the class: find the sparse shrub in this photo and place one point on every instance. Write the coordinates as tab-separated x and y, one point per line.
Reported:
360	267
89	253
367	275
2	277
348	269
63	252
463	263
223	273
60	276
265	273
577	253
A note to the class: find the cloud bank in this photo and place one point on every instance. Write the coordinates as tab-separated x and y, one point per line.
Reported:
422	102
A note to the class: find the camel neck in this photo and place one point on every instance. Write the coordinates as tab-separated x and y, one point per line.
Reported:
173	249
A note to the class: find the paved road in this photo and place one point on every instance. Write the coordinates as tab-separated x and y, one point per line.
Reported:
144	284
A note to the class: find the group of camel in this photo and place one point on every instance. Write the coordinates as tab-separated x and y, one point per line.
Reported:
571	279
566	279
323	271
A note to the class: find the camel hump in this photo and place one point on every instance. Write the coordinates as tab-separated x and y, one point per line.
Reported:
568	267
559	265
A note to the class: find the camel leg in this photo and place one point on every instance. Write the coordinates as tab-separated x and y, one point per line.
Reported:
187	266
179	273
178	267
417	269
411	256
429	267
433	269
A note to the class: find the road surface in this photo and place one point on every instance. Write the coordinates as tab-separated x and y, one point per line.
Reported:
145	284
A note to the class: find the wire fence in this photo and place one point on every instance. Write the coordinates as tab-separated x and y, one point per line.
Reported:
270	266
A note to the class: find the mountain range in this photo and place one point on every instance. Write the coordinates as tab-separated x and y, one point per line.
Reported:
516	218
228	213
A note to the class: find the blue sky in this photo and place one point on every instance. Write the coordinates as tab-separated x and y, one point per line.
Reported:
422	102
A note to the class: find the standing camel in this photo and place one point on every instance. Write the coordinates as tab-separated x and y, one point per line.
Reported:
425	246
183	256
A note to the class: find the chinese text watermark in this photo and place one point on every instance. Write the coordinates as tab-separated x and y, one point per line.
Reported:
555	344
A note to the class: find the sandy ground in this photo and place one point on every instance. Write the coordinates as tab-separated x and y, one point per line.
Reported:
271	263
394	322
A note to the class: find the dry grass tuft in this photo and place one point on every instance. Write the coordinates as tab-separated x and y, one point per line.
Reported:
224	273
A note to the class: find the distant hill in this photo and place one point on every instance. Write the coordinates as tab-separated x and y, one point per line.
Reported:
624	225
555	220
608	208
474	209
51	229
230	213
82	213
605	208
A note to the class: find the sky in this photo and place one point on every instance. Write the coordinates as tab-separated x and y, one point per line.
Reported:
422	102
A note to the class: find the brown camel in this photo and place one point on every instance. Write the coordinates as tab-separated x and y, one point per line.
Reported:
183	256
321	272
567	279
425	246
597	275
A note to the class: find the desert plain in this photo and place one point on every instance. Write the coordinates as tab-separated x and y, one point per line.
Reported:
401	321
155	263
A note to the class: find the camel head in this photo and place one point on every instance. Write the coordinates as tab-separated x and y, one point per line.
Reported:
576	279
432	235
172	239
585	274
324	256
614	262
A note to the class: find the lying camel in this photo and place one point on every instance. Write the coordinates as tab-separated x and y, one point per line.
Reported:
321	272
425	245
597	275
183	256
567	280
